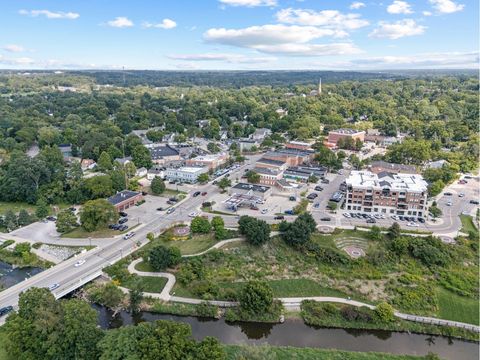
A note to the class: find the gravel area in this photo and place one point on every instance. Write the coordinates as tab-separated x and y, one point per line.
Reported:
60	252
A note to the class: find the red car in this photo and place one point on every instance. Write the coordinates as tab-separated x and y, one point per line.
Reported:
462	182
204	193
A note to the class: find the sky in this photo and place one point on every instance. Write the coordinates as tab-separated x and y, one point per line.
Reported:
239	34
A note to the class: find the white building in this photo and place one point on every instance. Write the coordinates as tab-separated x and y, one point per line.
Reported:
388	193
188	174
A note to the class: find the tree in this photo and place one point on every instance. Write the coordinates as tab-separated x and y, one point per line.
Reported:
203	178
257	232
436	188
394	231
42	208
104	162
219	227
141	157
313	179
435	210
157	186
224	183
97	214
384	312
24	218
332	205
256	297
213	148
375	233
298	233
135	297
119	181
10	220
21	248
109	295
253	177
99	186
161	257
200	225
66	221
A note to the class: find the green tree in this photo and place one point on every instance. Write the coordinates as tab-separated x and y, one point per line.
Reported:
257	232
375	233
436	188
219	227
256	297
384	312
200	225
42	209
435	210
97	214
394	231
141	157
157	185
161	257
213	148
66	221
104	162
10	220
253	177
21	248
109	295
203	178
119	181
135	297
298	233
99	186
24	218
224	183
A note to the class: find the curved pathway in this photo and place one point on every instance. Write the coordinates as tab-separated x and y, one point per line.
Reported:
216	246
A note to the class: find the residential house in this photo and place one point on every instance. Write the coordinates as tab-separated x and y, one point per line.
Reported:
88	164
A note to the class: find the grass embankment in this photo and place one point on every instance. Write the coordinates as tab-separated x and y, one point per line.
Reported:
467	224
23	261
194	245
3	352
161	307
348	316
81	233
236	352
457	308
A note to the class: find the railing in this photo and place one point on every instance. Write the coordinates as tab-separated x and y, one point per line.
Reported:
78	283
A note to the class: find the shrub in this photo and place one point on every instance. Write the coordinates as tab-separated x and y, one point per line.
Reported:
200	225
384	312
256	297
160	257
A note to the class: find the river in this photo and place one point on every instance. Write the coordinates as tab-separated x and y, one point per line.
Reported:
296	333
10	275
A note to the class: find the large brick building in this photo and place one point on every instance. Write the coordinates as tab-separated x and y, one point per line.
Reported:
125	199
210	161
387	193
335	135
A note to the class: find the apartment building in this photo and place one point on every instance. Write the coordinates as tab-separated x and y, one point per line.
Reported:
387	193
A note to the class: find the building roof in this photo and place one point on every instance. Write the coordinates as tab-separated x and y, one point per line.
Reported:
305	171
346	131
266	171
189	169
271	162
394	167
122	196
159	152
253	187
369	180
124	160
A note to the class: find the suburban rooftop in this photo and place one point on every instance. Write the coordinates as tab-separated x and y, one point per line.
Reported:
369	180
253	187
122	196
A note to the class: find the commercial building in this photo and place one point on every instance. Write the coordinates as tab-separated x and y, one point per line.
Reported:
248	144
291	157
155	172
303	173
299	145
271	164
377	167
268	176
125	199
386	192
210	161
163	154
185	174
335	135
243	194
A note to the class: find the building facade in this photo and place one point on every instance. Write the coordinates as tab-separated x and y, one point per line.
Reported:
335	135
210	161
387	193
268	176
125	199
185	174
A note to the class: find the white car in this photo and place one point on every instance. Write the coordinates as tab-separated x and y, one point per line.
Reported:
449	203
193	214
53	286
129	235
412	224
347	215
80	263
461	195
264	211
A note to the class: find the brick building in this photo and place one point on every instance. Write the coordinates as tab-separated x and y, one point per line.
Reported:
335	135
125	199
210	161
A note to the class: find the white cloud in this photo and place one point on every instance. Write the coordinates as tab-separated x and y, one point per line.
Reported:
310	49
249	3
50	14
426	13
120	22
398	29
230	58
165	24
16	61
446	6
399	7
426	60
14	48
357	5
325	18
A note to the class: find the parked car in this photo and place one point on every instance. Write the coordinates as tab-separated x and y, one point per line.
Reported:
325	181
279	217
5	310
170	210
123	214
129	235
80	263
289	212
371	221
448	194
122	227
474	202
449	203
51	218
264	211
204	193
421	220
461	195
173	199
318	188
312	196
160	209
412	224
192	214
123	220
316	205
325	219
196	193
253	207
292	198
347	215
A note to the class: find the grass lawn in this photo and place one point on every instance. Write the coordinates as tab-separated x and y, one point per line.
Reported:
458	308
151	284
467	224
81	233
196	244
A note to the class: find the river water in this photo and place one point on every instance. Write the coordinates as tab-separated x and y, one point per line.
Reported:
296	333
10	276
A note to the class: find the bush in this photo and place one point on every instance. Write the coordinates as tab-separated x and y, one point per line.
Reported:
200	225
160	257
256	297
157	186
21	249
256	231
384	312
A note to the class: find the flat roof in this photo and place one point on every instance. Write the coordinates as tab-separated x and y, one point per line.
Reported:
253	187
158	152
346	131
122	196
188	169
271	162
266	171
393	181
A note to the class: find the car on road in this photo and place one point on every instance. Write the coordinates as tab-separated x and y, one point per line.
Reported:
5	310
312	196
196	193
193	214
160	209
421	220
173	199
123	214
448	194
54	286
264	211
51	218
463	182
204	193
289	212
461	195
170	210
371	221
279	217
123	220
325	219
292	198
253	207
412	224
449	203
80	263
316	205
325	181
129	235
475	202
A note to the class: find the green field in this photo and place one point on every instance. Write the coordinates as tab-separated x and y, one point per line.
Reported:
458	308
151	284
467	224
81	233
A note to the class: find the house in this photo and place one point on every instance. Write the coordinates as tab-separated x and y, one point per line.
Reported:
260	134
185	174
335	135
436	164
155	172
88	164
281	112
387	193
66	150
211	161
377	167
125	199
169	138
123	161
202	123
141	172
163	154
